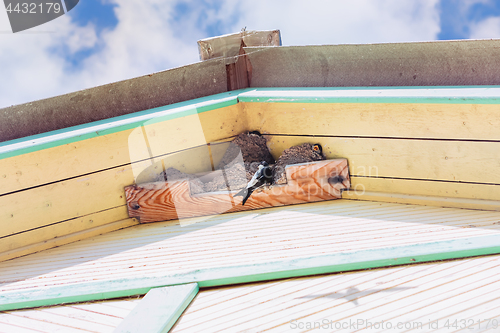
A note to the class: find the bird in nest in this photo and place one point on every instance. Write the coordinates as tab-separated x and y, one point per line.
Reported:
303	153
262	176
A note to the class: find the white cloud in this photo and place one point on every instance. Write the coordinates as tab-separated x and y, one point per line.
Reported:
141	43
334	22
488	28
82	38
148	39
32	65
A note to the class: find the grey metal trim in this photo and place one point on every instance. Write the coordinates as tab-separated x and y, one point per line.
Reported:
439	63
115	99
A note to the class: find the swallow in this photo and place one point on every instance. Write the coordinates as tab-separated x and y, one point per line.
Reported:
262	176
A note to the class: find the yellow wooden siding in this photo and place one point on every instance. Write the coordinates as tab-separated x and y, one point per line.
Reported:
443	150
99	316
113	150
465	161
62	237
408	120
442	292
426	188
423	200
252	237
79	186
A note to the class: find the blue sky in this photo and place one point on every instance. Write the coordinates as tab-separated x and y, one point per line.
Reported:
103	41
456	21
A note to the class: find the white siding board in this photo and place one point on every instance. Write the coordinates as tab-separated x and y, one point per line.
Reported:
269	227
465	288
271	234
99	316
8	328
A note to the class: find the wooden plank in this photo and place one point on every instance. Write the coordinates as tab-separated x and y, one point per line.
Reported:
81	132
455	161
64	200
66	238
77	198
163	201
403	120
239	72
493	205
159	309
441	298
22	173
332	226
64	323
66	159
40	324
343	299
100	321
244	273
100	316
115	308
228	46
33	236
426	188
16	328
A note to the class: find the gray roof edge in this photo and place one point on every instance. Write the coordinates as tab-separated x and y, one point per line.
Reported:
114	99
436	63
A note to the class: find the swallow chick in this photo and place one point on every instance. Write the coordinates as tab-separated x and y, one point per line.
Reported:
294	155
262	176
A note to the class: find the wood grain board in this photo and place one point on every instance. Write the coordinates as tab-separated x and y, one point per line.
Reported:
56	238
435	144
473	191
434	293
67	189
162	201
439	160
99	316
242	247
493	205
376	120
110	150
230	239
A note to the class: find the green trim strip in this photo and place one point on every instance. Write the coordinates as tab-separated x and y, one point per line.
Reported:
415	95
158	311
113	125
218	276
